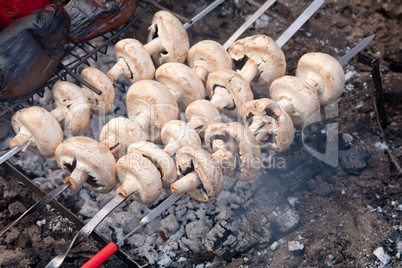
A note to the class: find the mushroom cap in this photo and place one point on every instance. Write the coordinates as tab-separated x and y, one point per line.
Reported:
275	123
182	81
46	133
139	62
264	52
142	172
303	97
209	55
172	35
323	72
243	147
177	134
72	100
155	101
237	87
100	104
119	133
189	159
163	161
200	114
93	157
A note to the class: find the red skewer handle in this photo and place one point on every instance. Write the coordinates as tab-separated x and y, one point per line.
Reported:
101	256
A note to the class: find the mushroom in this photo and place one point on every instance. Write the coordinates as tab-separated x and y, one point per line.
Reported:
88	162
272	127
199	173
228	91
176	134
133	61
151	105
100	104
236	148
159	157
297	98
200	114
139	178
207	56
265	58
324	73
182	81
71	107
167	39
119	133
39	128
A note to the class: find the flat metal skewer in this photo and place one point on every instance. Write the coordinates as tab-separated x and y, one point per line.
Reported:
354	51
203	13
12	152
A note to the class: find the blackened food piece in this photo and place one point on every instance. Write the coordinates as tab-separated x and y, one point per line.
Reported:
30	50
92	18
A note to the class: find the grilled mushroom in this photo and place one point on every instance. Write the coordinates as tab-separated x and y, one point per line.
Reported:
236	148
200	114
272	127
324	73
200	175
167	39
139	178
159	157
39	127
89	164
176	134
207	56
133	61
265	58
71	107
297	98
151	105
100	104
182	81
228	91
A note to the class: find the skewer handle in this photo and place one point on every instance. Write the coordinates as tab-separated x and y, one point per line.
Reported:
101	256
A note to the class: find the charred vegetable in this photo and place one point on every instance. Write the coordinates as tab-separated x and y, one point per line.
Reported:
92	18
30	50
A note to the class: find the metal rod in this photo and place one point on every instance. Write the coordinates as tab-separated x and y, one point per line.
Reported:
203	13
79	79
12	152
359	47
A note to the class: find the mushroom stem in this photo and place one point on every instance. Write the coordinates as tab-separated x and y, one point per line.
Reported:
77	178
59	114
189	182
287	106
311	82
261	134
19	139
143	120
249	70
172	147
202	73
197	125
255	126
154	46
128	187
117	70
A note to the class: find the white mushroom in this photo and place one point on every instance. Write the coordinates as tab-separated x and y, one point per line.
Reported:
272	127
71	107
265	58
133	61
182	81
39	128
159	157
297	98
236	148
151	105
100	104
228	91
119	133
167	39
200	114
176	134
139	178
207	56
324	73
89	164
200	175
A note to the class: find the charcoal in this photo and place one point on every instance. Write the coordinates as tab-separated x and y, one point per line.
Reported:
354	161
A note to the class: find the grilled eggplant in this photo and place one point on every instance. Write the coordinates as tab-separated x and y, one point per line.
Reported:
92	18
30	50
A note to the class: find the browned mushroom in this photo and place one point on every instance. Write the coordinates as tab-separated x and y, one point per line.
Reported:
200	114
176	134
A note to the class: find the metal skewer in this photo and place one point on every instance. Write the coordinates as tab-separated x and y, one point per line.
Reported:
12	152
